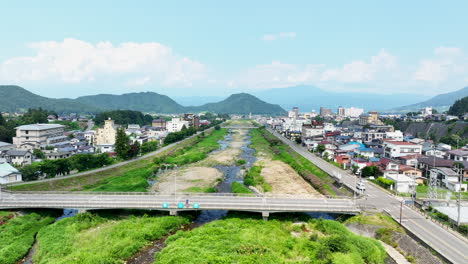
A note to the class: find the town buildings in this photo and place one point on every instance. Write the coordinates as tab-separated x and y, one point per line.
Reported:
34	136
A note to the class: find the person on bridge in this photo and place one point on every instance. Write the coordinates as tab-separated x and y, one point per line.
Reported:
186	203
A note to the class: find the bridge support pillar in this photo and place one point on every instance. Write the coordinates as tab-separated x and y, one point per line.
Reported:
173	212
265	216
81	211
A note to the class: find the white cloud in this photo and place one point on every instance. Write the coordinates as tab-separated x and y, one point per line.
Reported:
76	61
271	37
448	63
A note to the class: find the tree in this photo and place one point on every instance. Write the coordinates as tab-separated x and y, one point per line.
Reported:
217	127
460	107
2	120
370	171
134	150
298	140
122	146
38	154
149	146
321	148
30	172
354	168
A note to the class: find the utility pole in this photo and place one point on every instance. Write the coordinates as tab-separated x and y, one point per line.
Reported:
401	210
460	177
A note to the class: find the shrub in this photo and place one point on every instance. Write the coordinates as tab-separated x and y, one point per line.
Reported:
386	183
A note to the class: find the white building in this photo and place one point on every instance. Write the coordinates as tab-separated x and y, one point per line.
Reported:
176	124
395	149
426	111
395	135
8	173
33	136
353	112
401	183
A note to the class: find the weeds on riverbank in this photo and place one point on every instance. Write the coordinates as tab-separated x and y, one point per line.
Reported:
264	142
253	177
17	234
236	240
237	187
88	238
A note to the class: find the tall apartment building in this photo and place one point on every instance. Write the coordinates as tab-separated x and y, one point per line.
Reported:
34	136
325	111
176	124
340	111
106	135
371	118
294	113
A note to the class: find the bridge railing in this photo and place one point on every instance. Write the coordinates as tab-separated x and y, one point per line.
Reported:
186	194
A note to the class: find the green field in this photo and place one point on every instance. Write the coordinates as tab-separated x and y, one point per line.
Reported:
17	234
88	238
237	187
247	240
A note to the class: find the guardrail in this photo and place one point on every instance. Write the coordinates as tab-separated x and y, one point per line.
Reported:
188	194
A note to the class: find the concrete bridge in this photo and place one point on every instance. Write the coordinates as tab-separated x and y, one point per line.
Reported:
175	203
239	127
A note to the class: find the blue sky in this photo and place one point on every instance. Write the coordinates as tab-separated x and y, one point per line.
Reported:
62	49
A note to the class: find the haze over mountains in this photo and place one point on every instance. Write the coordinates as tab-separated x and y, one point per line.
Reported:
13	98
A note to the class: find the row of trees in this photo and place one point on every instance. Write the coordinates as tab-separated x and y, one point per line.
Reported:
459	108
124	117
52	168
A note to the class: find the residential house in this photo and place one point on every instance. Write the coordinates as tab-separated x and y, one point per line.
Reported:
159	123
366	152
58	155
18	157
449	179
8	173
6	146
360	163
395	149
458	154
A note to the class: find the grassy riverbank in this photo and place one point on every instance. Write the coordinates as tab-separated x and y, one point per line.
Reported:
271	147
88	238
235	240
131	177
17	234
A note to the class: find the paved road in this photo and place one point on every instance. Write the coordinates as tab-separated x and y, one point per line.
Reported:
110	166
451	246
155	201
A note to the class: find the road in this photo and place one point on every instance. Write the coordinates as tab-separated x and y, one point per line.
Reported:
451	246
154	201
108	167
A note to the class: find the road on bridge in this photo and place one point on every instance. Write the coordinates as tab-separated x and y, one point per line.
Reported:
155	201
452	246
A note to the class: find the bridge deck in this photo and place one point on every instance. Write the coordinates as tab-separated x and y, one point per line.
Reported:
155	202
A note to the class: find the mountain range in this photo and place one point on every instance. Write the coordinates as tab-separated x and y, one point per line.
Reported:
310	97
13	98
441	101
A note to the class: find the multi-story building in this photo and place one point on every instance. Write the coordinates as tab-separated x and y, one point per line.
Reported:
340	111
353	112
176	124
34	136
106	135
371	118
159	123
324	112
395	149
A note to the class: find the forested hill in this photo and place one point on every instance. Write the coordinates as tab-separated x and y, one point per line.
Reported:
441	101
14	98
241	103
144	102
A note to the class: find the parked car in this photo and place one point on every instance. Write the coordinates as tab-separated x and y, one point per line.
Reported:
361	186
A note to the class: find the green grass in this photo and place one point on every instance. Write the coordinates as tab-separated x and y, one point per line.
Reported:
130	177
198	151
254	178
87	238
235	240
17	235
375	220
196	189
237	187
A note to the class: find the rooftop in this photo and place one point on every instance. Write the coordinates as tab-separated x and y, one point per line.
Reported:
7	169
40	126
458	152
401	143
